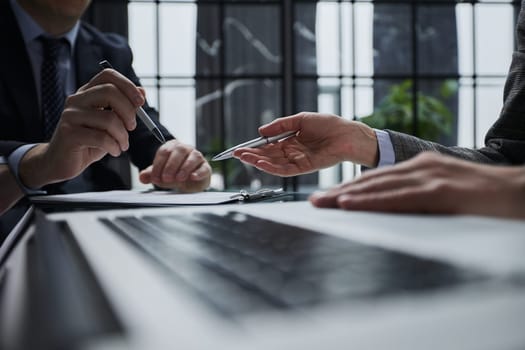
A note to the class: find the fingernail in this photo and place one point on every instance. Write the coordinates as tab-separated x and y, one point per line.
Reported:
139	100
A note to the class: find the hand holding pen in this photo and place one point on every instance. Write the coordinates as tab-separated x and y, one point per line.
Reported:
152	127
317	141
175	165
86	131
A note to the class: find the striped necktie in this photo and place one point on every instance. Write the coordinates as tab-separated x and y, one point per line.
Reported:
52	86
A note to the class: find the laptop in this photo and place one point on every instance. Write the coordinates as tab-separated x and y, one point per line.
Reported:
263	276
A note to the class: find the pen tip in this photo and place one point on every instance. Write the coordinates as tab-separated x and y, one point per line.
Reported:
221	156
159	135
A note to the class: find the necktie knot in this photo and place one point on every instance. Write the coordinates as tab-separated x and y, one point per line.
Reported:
52	47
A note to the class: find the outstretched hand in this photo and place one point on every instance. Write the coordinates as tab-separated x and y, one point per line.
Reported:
322	141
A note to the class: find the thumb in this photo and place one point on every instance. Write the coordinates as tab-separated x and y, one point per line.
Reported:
145	175
142	91
282	125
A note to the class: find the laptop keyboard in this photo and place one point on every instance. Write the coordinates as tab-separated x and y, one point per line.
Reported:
241	264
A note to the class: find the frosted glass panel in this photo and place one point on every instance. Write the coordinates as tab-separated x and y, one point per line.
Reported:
142	22
489	103
364	52
494	42
347	41
364	99
466	114
465	39
328	50
178	112
178	30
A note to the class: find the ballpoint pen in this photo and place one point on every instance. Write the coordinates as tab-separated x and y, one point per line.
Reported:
141	113
260	141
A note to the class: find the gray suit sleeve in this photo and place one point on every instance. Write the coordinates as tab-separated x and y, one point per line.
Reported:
505	141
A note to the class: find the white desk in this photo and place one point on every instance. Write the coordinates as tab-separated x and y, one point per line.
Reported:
159	314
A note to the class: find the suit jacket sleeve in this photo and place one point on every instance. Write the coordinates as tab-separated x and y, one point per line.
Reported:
7	147
505	141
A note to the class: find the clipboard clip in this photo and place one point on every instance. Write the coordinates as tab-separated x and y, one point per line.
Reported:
244	195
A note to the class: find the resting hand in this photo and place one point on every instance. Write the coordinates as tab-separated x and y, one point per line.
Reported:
322	141
178	166
432	183
95	121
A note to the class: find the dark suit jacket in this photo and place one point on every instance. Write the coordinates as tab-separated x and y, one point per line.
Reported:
20	122
505	141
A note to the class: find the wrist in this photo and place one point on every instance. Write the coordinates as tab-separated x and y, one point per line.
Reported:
34	170
362	145
516	208
520	178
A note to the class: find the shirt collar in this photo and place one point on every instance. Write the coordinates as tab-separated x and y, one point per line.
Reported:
31	30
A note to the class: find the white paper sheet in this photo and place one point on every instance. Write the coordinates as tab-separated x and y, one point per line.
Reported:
140	198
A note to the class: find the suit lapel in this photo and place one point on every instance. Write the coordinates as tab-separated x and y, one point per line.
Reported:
87	56
16	73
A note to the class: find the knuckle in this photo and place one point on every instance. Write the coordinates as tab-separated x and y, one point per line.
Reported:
302	114
438	186
164	151
183	148
427	158
198	154
106	89
70	100
109	73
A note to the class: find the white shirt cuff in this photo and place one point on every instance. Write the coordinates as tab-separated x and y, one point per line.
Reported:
386	149
14	163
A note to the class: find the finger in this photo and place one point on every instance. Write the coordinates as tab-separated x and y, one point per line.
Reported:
406	200
145	175
193	161
90	138
383	183
369	186
273	150
400	170
103	120
142	91
322	200
113	77
106	96
161	157
252	159
430	162
184	167
287	169
281	125
201	173
172	169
